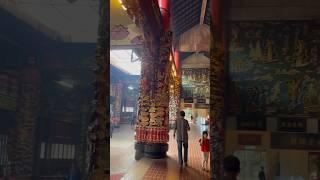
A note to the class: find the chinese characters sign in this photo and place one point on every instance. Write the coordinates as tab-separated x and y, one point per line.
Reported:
295	141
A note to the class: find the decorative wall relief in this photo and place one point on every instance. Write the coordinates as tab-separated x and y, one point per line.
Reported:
274	67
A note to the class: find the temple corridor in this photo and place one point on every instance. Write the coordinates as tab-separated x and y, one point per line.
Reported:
124	167
93	88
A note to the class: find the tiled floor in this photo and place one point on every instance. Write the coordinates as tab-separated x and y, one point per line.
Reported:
149	169
116	176
121	150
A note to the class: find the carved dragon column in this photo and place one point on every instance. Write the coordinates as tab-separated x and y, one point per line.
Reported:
152	131
99	126
146	92
27	114
158	130
217	88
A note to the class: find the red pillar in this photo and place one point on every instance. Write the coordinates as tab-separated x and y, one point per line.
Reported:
165	13
177	59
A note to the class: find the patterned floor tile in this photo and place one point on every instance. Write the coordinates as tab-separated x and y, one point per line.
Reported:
159	169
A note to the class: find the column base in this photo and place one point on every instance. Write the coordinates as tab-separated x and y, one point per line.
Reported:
156	151
139	147
153	151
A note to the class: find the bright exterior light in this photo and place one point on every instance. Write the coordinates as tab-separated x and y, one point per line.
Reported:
170	58
130	87
123	7
122	60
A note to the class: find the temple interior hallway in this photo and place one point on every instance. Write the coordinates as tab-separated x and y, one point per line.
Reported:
123	165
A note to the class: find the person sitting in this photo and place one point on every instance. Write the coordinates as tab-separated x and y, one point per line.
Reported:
231	167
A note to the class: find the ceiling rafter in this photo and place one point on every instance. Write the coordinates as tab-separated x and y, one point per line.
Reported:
203	11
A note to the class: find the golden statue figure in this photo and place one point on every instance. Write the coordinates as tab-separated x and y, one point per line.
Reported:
269	50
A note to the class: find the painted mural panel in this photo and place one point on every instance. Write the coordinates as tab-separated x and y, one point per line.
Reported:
274	67
195	83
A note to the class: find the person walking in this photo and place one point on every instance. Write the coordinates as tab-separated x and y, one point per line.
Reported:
181	130
133	121
262	175
231	167
111	128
